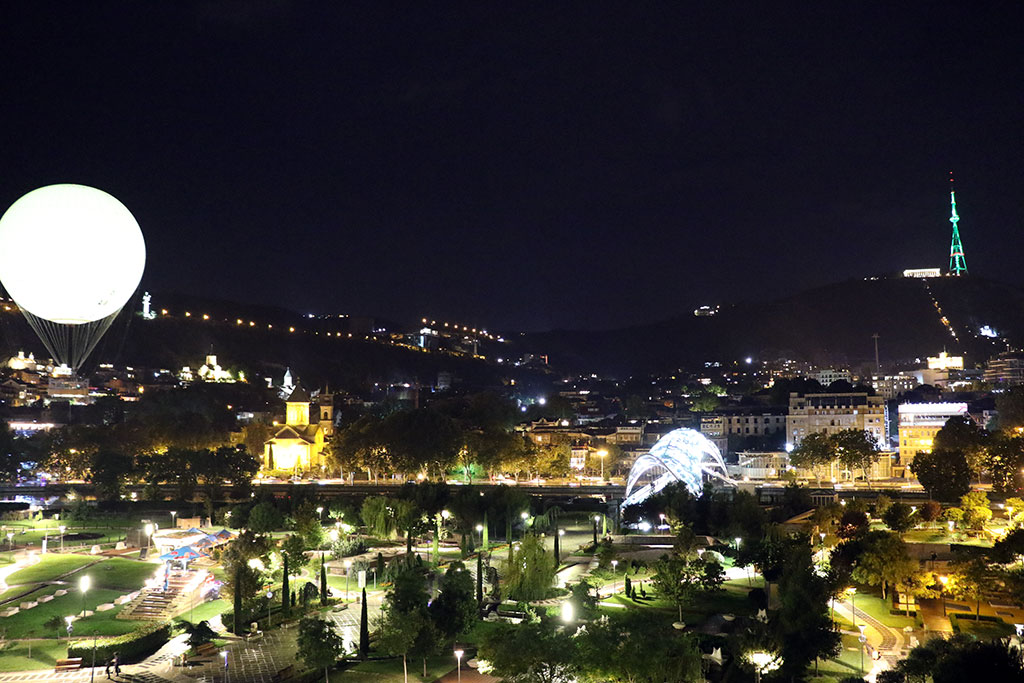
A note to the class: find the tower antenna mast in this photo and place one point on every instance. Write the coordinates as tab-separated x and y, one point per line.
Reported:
957	262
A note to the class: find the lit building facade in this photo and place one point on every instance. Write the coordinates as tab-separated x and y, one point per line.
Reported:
299	446
834	412
918	425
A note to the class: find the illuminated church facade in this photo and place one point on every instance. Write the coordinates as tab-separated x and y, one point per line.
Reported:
299	445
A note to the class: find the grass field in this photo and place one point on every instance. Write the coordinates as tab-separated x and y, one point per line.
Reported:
15	654
118	573
31	623
205	611
390	670
49	567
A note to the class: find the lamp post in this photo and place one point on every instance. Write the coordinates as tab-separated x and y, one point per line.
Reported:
10	541
224	654
348	565
602	454
62	530
943	580
83	585
270	599
174	515
458	657
92	672
320	512
149	535
596	518
558	560
615	563
480	530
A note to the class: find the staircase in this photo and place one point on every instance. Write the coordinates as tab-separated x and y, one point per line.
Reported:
155	604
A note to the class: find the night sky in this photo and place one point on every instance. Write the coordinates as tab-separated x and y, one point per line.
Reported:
526	166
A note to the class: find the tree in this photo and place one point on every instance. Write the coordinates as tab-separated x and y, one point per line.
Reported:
962	658
1010	406
1003	458
397	633
377	514
962	434
530	573
407	602
633	648
855	448
323	581
945	474
930	511
814	450
532	652
900	517
319	644
976	509
679	578
968	579
364	630
454	609
884	561
264	518
802	628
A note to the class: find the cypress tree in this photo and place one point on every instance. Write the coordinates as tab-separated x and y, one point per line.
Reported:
364	631
323	581
480	578
284	586
238	598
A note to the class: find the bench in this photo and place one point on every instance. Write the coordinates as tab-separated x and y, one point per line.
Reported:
284	674
206	649
72	664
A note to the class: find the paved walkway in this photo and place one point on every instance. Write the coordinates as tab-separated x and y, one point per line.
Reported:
888	642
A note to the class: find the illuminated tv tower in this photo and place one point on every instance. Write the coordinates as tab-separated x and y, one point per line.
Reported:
957	262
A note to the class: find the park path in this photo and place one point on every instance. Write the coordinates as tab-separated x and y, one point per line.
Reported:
888	641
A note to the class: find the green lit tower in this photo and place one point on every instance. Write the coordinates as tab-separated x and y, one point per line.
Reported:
957	262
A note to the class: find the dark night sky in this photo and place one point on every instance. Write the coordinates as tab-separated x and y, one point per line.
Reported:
526	165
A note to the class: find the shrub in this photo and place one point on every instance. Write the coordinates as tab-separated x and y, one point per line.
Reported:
132	647
347	547
954	621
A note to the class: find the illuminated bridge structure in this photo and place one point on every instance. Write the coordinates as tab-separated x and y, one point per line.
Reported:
682	455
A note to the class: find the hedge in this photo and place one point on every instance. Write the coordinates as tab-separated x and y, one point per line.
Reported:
132	647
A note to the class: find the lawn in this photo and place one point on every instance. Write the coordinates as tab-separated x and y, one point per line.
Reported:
49	567
118	573
205	611
30	623
985	630
879	609
390	670
14	654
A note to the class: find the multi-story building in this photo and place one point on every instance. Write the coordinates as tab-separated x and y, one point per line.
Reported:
834	412
891	386
1006	369
919	423
731	429
828	375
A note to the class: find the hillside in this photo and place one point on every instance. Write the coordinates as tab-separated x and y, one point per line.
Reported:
830	324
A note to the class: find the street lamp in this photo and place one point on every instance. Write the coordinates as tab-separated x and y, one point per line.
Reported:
601	454
458	656
83	584
348	565
10	540
149	534
92	673
174	515
62	530
568	613
615	563
270	598
943	580
597	518
480	530
320	512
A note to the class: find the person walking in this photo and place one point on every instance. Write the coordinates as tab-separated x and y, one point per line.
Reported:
110	662
117	663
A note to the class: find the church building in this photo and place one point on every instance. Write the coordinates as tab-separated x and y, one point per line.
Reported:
298	446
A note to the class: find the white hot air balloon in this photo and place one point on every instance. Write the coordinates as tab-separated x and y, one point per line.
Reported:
70	256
